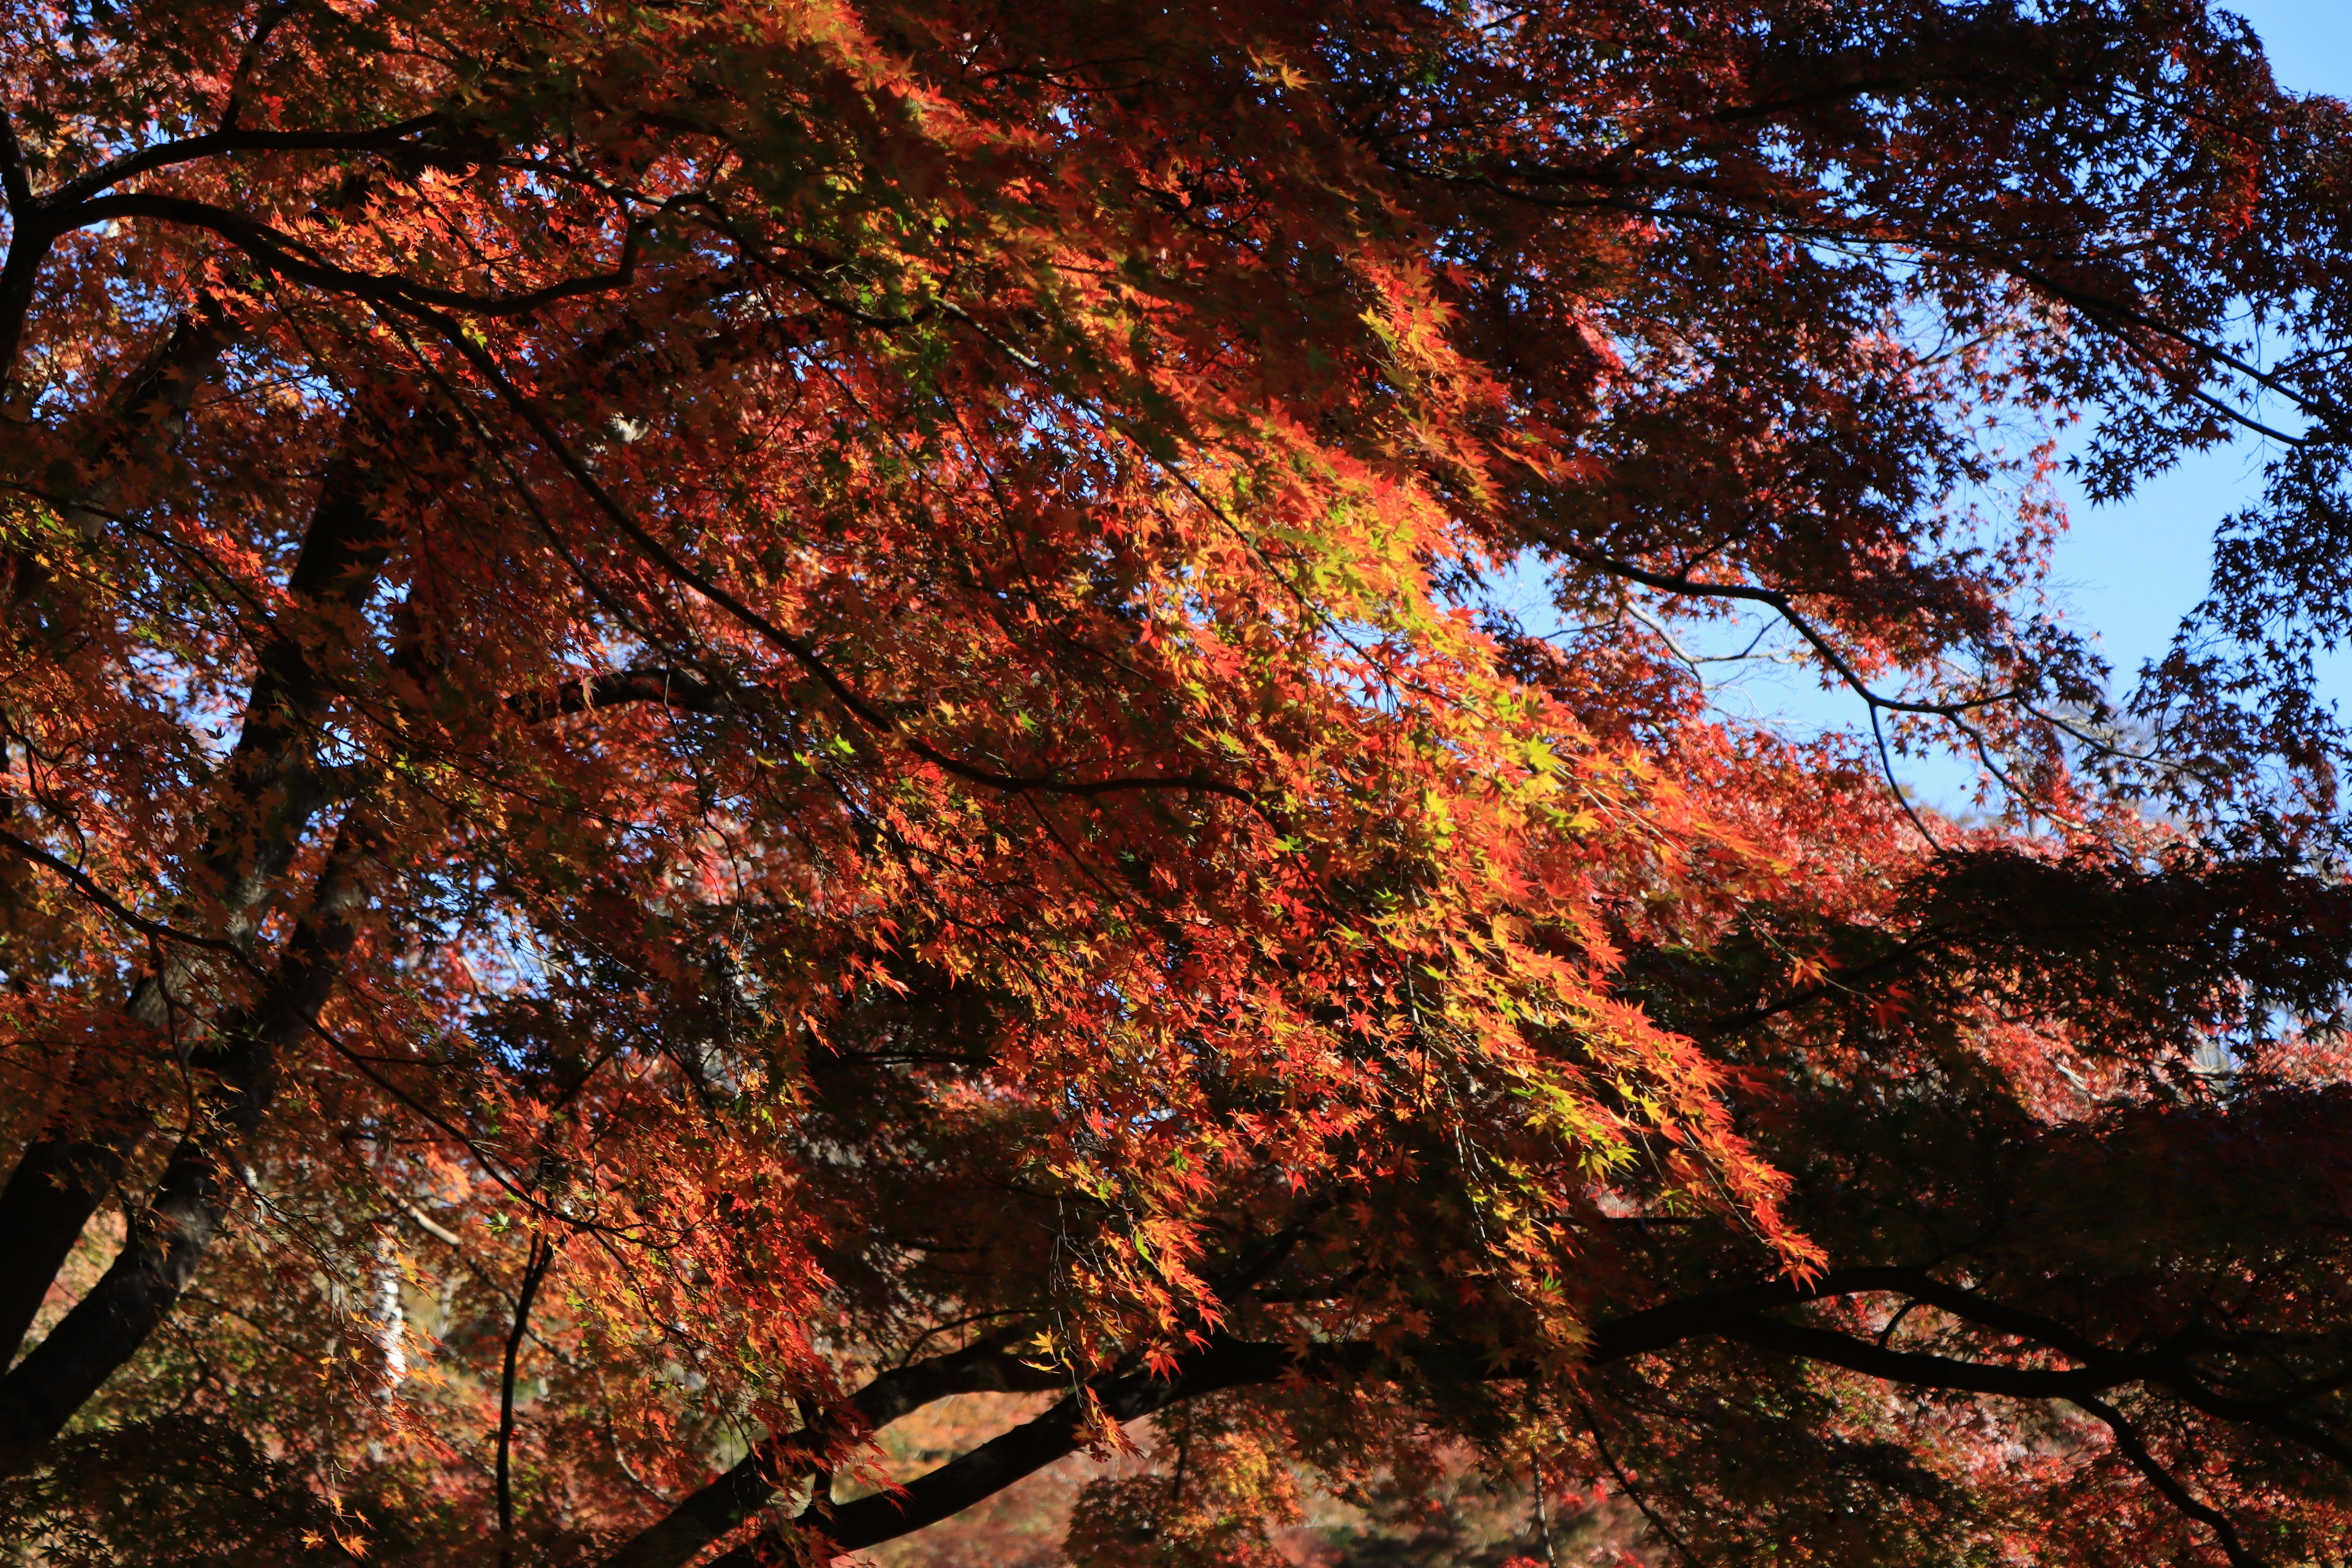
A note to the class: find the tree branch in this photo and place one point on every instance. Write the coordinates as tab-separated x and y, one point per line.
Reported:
542	1253
732	1498
671	688
1625	1484
1780	604
72	194
82	883
283	253
1735	1315
273	787
869	717
1925	1371
15	184
2128	1442
1057	1433
169	1238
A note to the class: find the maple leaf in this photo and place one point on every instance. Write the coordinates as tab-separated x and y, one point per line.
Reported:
722	725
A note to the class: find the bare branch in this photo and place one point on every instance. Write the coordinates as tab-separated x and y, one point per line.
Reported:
63	201
671	688
2129	1443
542	1253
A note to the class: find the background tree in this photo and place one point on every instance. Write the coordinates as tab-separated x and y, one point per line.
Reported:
720	718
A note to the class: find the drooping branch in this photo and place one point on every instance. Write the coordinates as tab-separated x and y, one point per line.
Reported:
82	882
37	221
869	717
1657	1521
1783	605
1739	1314
2129	1443
290	258
230	140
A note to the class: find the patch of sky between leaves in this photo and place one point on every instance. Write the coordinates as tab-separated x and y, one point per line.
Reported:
2124	573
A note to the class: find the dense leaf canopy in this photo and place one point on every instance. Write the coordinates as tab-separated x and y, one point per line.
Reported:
718	718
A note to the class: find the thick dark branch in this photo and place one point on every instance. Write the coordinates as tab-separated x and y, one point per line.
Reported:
1716	1312
1059	1432
273	789
283	253
248	61
2128	1442
1737	1315
2161	1369
28	248
1923	1371
59	1182
62	1178
1062	1430
275	785
984	1367
169	1238
734	1497
2101	1369
541	1254
681	688
37	221
15	184
212	144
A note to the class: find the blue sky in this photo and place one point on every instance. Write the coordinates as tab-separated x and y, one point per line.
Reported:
2127	571
2131	570
2310	41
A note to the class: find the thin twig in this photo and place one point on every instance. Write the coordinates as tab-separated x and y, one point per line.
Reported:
1625	1484
98	895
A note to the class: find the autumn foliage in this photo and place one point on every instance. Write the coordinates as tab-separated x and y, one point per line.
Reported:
720	718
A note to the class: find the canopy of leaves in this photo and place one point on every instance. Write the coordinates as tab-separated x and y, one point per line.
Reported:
718	718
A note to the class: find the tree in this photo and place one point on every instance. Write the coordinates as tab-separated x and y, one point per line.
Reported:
720	718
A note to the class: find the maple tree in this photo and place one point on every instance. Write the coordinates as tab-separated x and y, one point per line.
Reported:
723	718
